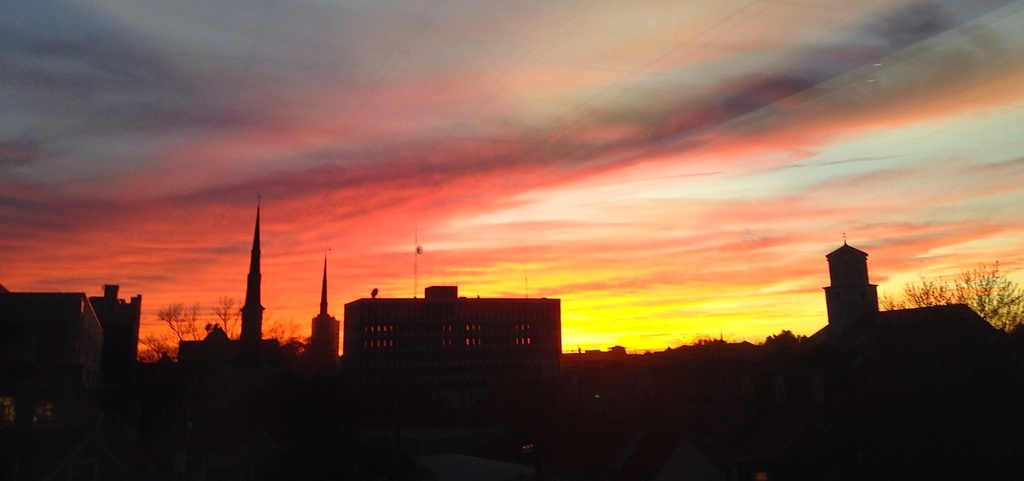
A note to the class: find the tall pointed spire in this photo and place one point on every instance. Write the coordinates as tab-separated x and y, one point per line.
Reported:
252	311
254	262
323	291
323	338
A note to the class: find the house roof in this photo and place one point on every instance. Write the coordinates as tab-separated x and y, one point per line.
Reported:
950	335
47	306
688	462
846	251
459	467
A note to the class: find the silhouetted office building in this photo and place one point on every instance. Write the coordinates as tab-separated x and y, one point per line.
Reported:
444	340
51	346
120	322
323	339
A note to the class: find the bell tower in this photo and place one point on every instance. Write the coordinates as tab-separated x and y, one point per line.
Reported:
850	299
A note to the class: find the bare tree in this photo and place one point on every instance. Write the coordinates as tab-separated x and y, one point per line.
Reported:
286	332
155	346
228	315
184	321
985	288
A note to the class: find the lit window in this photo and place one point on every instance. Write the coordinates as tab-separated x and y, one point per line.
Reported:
761	476
45	415
7	413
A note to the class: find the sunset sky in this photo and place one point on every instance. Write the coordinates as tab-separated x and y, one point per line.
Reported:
669	169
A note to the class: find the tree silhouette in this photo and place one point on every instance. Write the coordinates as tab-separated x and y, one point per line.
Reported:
784	340
183	321
985	288
155	346
186	323
229	315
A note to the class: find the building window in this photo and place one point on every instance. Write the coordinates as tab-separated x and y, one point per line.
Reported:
7	412
761	476
45	413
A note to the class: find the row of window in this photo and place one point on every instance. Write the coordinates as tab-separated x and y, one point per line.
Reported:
425	336
444	327
447	341
44	416
379	343
496	362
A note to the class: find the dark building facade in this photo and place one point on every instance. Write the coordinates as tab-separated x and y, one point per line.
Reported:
120	322
51	346
444	340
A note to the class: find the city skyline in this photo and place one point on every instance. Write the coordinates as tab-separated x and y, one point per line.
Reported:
668	171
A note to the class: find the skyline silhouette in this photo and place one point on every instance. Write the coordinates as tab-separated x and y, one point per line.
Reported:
670	171
445	386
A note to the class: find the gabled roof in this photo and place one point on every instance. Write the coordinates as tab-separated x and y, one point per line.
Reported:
846	251
952	333
948	331
459	467
688	462
774	436
36	306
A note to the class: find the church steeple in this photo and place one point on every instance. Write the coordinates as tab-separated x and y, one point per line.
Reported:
252	311
323	291
851	298
323	339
